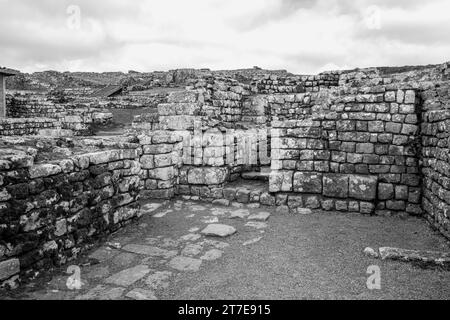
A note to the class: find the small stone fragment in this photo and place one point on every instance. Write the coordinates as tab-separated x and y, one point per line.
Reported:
242	213
191	237
304	211
256	225
252	241
162	214
218	230
261	216
370	252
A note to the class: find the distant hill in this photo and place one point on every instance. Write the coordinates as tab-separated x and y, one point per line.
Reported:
138	81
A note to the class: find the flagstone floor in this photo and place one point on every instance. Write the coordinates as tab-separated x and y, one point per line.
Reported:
262	255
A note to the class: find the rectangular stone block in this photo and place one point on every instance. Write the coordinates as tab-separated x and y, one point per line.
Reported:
308	182
206	176
385	191
335	185
363	187
147	162
167	173
280	181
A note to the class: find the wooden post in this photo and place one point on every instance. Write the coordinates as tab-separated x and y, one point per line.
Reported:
2	97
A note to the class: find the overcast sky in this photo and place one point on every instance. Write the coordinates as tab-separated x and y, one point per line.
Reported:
302	36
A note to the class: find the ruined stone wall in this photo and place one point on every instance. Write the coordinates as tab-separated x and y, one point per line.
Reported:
160	163
358	154
219	157
134	101
272	84
436	156
26	126
50	212
34	112
222	99
31	106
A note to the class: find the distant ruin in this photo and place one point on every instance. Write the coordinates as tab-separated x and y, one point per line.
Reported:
370	141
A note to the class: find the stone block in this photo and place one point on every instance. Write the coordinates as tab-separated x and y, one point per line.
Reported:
385	191
308	182
366	207
312	202
280	181
229	194
335	185
44	170
207	176
267	199
243	195
167	173
401	192
363	187
9	268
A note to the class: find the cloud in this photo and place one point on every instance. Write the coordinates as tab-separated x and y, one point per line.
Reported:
302	36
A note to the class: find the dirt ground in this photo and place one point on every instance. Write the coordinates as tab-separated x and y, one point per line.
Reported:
317	256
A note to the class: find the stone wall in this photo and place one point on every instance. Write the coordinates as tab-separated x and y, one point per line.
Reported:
50	212
160	162
436	156
273	84
37	109
221	98
26	126
359	153
217	157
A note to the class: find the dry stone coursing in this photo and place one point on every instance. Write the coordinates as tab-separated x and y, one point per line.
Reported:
436	157
350	148
373	145
160	164
28	114
50	212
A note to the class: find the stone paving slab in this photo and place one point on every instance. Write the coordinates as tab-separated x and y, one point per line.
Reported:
314	256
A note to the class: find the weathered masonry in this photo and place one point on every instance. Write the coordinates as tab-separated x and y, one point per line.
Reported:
358	142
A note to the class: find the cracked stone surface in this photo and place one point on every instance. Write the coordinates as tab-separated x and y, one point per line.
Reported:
261	216
252	241
241	213
212	254
192	250
159	279
185	264
149	250
218	230
141	294
102	292
268	256
128	276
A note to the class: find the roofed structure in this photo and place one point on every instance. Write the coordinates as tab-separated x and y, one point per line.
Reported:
8	72
108	91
